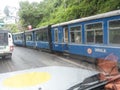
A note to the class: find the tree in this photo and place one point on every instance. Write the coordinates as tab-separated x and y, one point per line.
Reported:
30	13
12	27
56	11
6	11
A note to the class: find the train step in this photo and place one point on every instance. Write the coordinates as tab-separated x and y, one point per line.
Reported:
66	53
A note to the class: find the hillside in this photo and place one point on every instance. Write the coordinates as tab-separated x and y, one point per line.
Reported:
56	11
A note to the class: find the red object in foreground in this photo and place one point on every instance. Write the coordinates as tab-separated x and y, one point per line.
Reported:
109	71
114	83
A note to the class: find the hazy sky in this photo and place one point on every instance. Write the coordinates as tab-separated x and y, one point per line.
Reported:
13	3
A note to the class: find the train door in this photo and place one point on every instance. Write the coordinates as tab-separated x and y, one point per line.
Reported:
65	33
65	38
24	39
56	38
60	38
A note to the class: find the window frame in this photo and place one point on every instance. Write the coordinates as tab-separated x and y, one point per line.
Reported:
29	34
45	38
108	24
98	29
19	37
64	37
41	34
75	32
56	40
38	33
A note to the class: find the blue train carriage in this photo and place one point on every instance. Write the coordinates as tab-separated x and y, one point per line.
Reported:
19	39
29	38
42	37
95	36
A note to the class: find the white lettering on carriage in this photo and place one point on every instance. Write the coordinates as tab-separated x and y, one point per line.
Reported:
100	50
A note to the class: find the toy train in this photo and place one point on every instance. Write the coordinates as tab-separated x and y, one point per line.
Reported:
94	36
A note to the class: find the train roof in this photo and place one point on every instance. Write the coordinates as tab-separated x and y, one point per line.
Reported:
18	33
4	31
103	15
35	29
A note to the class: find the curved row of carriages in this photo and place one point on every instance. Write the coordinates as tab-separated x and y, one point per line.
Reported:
94	36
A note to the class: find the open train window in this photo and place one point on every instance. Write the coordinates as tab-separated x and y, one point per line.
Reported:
45	36
114	32
38	36
15	37
42	36
56	34
19	37
75	34
94	33
65	34
29	37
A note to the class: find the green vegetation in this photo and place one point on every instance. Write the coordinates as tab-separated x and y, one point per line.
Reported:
56	11
12	27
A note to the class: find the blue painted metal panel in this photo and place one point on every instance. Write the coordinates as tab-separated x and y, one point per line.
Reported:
18	42
30	43
59	47
83	33
105	32
68	33
38	44
96	51
113	17
41	44
52	34
60	35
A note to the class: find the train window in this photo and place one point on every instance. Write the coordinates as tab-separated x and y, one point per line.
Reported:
19	37
45	36
114	32
94	26
90	36
38	36
94	33
75	33
42	36
65	34
56	34
15	37
28	37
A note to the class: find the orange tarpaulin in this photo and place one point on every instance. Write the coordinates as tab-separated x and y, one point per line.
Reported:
114	85
109	70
